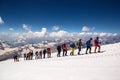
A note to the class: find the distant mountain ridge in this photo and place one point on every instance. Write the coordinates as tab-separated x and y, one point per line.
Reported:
21	42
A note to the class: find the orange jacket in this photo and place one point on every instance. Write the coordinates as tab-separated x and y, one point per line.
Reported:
64	46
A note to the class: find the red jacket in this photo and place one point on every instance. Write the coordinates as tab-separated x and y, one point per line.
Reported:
28	54
48	50
64	46
96	42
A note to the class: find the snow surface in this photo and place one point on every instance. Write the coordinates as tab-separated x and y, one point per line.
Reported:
96	66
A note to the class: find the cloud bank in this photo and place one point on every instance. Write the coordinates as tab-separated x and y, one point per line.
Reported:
34	37
45	35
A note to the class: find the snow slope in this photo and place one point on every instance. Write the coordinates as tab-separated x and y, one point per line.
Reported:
100	66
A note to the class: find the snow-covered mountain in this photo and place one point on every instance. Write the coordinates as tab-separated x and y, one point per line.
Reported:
21	41
4	44
9	47
96	66
18	42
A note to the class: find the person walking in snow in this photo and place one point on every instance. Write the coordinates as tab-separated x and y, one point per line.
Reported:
72	48
28	56
79	45
36	55
89	44
64	47
97	44
31	55
48	52
59	50
40	54
25	56
16	57
44	53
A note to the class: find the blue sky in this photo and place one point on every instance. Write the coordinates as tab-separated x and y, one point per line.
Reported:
68	15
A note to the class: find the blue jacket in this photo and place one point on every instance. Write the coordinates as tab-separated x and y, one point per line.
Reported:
88	43
72	46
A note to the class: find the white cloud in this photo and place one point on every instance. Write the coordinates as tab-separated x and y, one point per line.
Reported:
55	28
44	30
60	33
32	35
42	33
11	29
26	27
85	29
1	21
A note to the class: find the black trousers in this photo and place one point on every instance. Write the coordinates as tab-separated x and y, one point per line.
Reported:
58	55
44	55
88	48
79	49
64	52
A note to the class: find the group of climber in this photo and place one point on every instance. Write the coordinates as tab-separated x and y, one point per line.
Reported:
79	45
62	48
96	44
38	54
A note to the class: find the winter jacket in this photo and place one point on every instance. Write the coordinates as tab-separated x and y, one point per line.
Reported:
96	42
36	53
31	53
24	54
44	51
28	54
40	53
59	48
79	44
88	43
48	50
72	45
64	46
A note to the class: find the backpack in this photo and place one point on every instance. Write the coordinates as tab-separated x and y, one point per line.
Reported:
95	42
